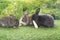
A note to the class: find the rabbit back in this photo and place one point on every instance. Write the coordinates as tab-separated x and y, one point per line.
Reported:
46	20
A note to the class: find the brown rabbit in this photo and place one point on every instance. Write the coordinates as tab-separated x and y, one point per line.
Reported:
8	21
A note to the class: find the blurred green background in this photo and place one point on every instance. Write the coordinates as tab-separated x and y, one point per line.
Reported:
16	7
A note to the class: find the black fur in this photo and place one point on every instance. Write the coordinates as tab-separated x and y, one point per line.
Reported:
43	20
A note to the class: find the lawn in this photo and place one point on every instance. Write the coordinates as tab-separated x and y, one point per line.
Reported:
31	33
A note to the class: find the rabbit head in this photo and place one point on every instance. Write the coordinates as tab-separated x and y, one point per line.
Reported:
36	13
25	19
13	20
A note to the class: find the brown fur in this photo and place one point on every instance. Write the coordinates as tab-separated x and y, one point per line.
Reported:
9	21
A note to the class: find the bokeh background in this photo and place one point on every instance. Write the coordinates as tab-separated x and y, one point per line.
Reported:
16	7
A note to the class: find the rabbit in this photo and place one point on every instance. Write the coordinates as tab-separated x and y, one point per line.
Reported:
42	20
9	21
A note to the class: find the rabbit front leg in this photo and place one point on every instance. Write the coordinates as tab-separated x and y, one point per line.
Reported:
21	22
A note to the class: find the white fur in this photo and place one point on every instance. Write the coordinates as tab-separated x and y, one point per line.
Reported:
35	25
3	24
21	22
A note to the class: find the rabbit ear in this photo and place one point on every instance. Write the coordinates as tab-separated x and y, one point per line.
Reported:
35	25
37	11
12	16
25	12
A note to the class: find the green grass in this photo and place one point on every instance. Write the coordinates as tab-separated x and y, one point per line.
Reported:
31	33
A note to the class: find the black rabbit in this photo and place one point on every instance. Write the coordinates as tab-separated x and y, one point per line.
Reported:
43	20
9	21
